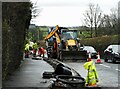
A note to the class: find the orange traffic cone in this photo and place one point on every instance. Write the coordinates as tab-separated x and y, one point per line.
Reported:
89	57
98	59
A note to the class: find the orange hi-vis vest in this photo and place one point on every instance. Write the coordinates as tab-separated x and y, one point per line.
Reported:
41	50
55	46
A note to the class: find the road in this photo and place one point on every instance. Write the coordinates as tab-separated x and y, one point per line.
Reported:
108	72
31	70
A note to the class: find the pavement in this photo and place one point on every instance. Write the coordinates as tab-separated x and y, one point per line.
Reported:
30	74
0	74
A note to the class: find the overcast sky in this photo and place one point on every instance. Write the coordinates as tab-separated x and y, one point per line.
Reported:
67	12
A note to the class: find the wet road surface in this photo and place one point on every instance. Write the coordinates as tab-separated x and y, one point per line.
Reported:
108	72
30	74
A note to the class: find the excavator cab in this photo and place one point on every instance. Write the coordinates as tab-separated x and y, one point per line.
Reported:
69	37
69	46
69	34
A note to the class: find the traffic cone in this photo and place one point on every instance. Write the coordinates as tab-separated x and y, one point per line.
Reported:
89	57
98	59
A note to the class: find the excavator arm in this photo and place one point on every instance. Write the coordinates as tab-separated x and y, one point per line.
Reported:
57	37
52	33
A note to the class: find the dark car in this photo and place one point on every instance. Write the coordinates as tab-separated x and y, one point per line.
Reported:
112	52
92	51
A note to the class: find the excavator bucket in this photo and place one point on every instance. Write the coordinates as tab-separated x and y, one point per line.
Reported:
73	55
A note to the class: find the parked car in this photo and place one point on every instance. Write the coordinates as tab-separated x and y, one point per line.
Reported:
92	51
112	52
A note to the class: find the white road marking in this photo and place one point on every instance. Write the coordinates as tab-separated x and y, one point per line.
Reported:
109	67
105	66
117	69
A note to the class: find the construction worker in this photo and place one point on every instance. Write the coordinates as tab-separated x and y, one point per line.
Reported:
78	43
35	46
92	75
62	44
46	43
41	51
54	47
27	46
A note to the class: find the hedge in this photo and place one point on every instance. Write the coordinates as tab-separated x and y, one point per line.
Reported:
16	18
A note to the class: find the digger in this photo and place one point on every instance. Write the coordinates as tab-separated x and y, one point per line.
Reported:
68	46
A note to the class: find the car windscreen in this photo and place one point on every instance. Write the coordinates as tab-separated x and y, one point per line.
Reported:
116	48
89	49
69	35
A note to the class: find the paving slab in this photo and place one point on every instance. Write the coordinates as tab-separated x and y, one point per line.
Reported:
30	74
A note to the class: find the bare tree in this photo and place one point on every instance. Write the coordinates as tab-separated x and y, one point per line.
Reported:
106	21
114	18
109	23
35	10
92	17
97	18
89	15
105	25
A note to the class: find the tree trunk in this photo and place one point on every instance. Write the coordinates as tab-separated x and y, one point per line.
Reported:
91	30
96	31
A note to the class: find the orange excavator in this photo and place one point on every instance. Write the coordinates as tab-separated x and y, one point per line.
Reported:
68	45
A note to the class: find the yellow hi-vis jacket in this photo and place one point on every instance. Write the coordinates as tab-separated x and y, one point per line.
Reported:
27	46
35	46
92	76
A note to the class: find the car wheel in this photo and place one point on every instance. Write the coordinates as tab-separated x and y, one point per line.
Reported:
113	59
106	60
